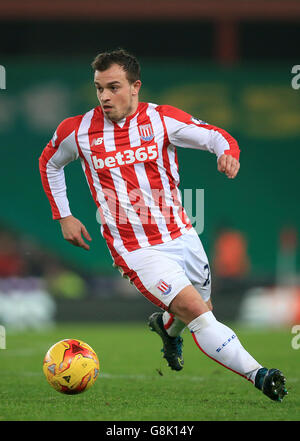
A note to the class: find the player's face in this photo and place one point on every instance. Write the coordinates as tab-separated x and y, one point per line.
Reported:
118	98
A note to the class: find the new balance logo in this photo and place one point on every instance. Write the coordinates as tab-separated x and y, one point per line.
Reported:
97	141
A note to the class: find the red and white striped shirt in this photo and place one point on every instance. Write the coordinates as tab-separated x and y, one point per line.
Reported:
132	170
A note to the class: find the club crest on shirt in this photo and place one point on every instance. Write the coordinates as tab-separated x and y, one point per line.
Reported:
164	287
146	132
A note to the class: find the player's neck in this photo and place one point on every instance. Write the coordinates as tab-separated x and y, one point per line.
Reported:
133	109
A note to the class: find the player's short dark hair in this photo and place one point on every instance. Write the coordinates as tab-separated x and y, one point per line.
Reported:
128	62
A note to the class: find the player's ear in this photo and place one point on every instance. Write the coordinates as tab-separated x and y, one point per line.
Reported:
136	87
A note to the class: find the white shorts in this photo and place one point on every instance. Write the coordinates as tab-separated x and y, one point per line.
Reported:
161	271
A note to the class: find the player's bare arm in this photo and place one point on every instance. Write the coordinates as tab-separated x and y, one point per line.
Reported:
229	165
74	231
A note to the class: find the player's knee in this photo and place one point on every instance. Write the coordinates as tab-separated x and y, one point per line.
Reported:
188	305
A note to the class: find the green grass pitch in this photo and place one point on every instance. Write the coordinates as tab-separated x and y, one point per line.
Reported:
135	383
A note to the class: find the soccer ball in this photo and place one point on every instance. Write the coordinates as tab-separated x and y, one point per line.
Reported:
71	366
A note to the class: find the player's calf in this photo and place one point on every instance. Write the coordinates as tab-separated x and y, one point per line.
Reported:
222	345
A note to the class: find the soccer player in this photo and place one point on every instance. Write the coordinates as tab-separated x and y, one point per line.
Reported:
128	155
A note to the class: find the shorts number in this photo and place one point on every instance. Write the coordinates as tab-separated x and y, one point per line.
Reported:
207	281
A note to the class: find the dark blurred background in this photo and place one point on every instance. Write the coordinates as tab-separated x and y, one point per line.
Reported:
227	62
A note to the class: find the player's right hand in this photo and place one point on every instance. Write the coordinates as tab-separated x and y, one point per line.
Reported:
229	165
74	231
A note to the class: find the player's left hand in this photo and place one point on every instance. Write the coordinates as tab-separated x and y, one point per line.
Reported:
229	165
